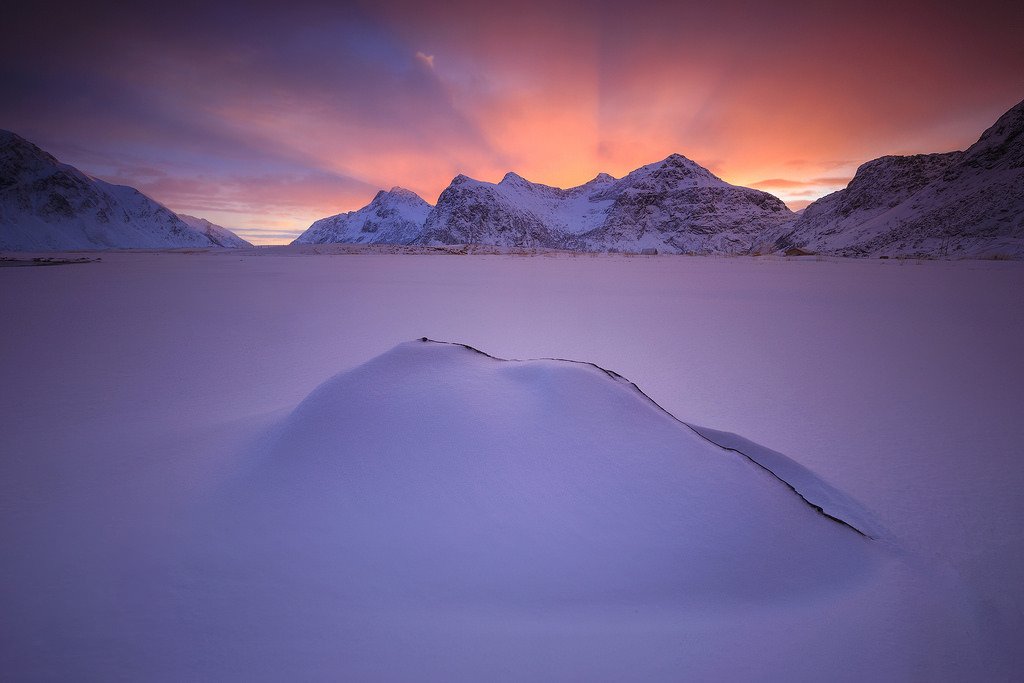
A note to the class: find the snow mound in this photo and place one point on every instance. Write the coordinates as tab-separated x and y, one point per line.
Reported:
438	513
546	480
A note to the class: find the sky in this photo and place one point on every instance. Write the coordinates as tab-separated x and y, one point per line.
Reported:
266	116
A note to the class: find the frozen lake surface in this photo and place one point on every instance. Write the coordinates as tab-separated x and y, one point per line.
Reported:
142	393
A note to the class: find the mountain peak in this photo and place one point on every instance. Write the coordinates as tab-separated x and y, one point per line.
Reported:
513	178
398	191
676	160
673	171
399	195
394	216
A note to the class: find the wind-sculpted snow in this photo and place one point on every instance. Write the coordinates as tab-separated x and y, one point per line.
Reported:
437	513
49	206
674	206
393	217
954	205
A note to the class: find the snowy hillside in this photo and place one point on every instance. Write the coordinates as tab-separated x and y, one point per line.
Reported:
952	205
219	235
393	217
674	206
47	206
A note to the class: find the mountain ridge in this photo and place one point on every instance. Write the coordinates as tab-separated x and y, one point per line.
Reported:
46	205
672	205
959	204
967	204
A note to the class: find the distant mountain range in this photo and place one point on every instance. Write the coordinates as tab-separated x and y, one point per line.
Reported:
673	205
950	205
966	204
49	206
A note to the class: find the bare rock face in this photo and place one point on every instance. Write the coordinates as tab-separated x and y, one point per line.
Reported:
49	206
955	205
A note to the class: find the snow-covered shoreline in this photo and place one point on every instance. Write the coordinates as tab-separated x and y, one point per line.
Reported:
342	249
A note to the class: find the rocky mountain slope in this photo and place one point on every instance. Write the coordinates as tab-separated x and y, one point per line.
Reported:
514	213
954	205
219	235
393	217
674	206
49	206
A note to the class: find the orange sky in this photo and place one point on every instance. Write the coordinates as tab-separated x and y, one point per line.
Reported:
265	118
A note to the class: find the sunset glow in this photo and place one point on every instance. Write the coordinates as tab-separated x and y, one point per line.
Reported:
264	119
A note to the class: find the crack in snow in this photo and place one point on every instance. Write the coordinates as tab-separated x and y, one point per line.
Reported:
622	380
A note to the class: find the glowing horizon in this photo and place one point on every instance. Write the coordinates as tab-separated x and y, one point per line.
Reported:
265	119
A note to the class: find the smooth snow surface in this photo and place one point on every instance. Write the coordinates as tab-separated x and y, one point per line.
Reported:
214	469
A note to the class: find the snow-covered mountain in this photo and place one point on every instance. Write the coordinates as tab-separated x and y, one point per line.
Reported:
952	205
673	205
515	213
49	206
393	217
679	206
219	235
